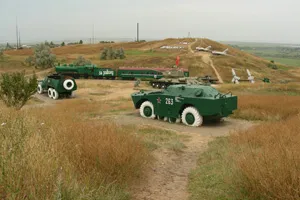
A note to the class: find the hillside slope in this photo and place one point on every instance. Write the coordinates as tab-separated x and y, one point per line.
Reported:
150	54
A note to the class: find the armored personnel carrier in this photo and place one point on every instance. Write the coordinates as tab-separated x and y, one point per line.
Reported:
57	86
190	104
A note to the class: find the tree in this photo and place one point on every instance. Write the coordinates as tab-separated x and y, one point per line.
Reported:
8	46
62	44
43	56
52	45
103	54
80	42
16	90
109	53
122	54
80	61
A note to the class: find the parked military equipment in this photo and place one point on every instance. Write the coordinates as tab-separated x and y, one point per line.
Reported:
176	77
190	104
57	86
86	71
123	73
237	80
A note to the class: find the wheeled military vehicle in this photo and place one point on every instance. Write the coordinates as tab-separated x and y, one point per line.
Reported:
190	104
57	86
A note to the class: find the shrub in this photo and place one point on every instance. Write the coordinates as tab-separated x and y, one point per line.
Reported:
80	61
30	61
62	44
272	65
43	56
122	54
16	90
110	54
80	42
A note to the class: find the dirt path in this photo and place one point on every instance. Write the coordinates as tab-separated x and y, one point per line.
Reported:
191	44
167	178
206	58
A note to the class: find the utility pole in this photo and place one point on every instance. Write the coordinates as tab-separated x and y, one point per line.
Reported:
93	34
137	35
20	39
17	32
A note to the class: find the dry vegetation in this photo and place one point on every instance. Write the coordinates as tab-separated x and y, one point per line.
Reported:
55	153
166	58
262	162
267	160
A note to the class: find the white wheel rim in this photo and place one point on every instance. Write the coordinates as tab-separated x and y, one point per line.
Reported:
50	92
54	94
39	89
143	106
68	84
198	119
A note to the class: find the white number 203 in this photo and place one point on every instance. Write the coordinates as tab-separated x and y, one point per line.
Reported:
169	101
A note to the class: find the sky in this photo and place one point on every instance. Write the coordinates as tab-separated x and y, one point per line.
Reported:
274	21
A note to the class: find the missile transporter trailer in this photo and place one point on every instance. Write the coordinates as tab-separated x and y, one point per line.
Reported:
57	86
190	104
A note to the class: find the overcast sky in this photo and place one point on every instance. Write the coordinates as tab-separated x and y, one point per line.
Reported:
227	20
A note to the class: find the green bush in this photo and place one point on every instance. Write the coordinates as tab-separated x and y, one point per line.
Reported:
272	65
16	90
110	54
43	56
80	61
30	60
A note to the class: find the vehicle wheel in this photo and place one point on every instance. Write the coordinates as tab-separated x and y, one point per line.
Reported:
147	110
160	117
39	89
157	86
163	86
166	119
68	84
69	95
172	120
191	117
50	92
55	94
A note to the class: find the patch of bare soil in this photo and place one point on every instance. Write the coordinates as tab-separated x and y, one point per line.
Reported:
167	177
206	58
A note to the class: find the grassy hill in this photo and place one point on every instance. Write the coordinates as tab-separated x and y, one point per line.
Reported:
149	54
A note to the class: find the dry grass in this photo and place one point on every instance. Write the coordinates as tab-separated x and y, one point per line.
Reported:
267	108
260	163
54	153
268	161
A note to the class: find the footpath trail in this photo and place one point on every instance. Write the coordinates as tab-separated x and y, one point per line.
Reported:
206	58
167	177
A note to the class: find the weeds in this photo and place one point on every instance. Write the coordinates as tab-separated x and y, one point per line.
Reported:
53	153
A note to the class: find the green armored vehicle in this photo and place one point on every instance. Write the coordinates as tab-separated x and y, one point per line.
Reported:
57	86
173	77
177	77
190	103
